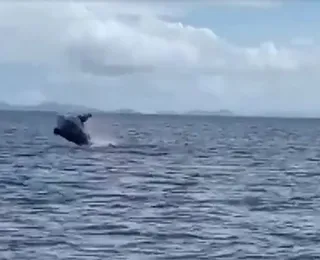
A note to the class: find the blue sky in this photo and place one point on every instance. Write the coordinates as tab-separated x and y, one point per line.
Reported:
246	25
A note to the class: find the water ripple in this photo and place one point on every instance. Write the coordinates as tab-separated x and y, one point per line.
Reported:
172	188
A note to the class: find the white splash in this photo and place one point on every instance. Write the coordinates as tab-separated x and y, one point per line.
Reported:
100	136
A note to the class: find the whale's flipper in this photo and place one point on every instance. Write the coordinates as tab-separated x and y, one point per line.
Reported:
84	117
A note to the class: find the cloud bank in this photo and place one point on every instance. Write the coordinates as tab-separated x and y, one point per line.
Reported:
110	56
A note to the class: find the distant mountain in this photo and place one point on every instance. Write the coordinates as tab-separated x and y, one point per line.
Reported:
167	112
65	108
4	106
124	111
48	107
221	112
52	106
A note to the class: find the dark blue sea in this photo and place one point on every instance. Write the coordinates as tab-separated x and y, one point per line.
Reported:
160	187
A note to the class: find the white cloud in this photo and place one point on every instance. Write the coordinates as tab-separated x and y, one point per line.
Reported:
114	55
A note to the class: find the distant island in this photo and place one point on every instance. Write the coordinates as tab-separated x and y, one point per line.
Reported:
167	112
61	108
65	108
48	107
124	111
221	112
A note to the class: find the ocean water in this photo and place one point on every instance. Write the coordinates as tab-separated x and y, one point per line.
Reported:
157	187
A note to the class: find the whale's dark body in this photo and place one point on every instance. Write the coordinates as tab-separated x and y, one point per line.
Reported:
72	129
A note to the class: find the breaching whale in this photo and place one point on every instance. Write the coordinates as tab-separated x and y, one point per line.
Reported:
72	128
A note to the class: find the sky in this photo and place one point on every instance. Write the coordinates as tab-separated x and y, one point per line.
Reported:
251	57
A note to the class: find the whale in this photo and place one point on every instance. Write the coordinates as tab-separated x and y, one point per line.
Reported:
72	128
